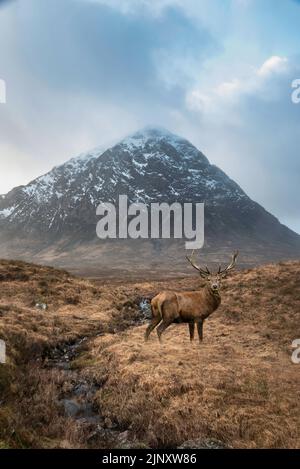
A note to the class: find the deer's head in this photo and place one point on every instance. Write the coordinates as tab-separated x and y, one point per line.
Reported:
214	280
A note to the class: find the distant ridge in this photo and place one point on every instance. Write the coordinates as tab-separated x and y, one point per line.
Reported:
53	218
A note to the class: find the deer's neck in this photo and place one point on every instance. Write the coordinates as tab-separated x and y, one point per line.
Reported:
213	297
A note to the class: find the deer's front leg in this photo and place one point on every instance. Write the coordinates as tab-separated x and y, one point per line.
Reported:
192	330
200	329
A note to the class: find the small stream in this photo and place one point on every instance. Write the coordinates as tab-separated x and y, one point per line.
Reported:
78	403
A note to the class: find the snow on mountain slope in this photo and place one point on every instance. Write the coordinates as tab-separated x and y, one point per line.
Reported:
151	165
148	165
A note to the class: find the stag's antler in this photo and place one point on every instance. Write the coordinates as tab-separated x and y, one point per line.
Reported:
230	266
203	273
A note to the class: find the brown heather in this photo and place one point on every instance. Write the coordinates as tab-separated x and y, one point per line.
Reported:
239	386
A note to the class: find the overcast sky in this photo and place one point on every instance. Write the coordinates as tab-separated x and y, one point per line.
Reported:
83	73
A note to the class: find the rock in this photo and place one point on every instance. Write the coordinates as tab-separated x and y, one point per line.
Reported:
123	436
63	365
86	389
203	443
86	410
145	308
42	306
108	423
72	408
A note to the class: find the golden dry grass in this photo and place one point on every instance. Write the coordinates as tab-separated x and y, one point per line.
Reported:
76	308
239	386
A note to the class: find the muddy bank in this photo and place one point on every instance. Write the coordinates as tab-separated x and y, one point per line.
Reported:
77	397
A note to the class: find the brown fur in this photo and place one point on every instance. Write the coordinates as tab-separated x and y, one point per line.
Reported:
189	307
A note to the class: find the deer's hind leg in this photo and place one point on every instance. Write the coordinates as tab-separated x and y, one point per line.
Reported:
162	327
154	322
156	318
169	313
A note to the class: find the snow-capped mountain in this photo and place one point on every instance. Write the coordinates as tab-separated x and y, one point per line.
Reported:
56	213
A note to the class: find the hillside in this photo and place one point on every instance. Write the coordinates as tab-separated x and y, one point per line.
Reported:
52	220
79	374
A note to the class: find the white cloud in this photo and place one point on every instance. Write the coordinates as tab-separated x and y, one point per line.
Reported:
249	127
242	3
2	91
257	81
204	71
274	64
126	7
229	88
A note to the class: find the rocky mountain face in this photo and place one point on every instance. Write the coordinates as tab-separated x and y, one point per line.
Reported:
53	219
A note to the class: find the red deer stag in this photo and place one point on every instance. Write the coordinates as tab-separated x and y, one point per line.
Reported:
189	307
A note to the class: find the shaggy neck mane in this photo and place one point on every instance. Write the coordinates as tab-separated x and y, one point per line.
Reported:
213	298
